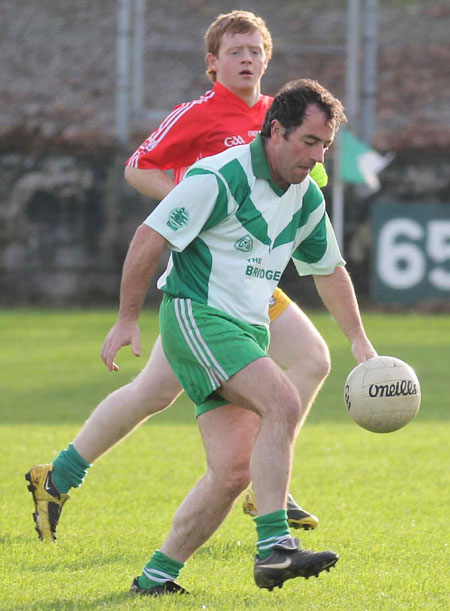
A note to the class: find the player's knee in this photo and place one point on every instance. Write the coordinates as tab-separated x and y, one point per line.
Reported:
231	476
322	361
282	407
288	409
292	412
149	400
318	362
236	481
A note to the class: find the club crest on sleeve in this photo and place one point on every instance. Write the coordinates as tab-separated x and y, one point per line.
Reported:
178	218
150	144
244	244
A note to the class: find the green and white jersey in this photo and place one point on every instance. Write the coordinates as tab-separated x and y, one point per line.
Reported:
232	232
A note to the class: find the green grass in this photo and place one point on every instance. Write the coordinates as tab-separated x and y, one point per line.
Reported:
383	500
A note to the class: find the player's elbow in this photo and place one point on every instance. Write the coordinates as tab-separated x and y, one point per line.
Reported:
130	175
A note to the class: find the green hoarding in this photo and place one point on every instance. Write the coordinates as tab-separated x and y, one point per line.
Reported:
411	253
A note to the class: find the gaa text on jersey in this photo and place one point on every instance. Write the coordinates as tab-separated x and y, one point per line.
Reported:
234	140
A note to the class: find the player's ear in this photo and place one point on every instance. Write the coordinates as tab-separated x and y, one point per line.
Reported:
276	129
266	63
211	62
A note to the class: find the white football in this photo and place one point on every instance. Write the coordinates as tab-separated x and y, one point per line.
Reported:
382	394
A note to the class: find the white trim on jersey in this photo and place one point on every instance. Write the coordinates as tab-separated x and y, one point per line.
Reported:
160	132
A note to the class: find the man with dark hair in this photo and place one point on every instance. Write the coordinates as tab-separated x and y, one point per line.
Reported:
238	49
290	105
232	225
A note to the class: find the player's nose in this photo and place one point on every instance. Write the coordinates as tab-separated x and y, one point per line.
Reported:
246	56
318	153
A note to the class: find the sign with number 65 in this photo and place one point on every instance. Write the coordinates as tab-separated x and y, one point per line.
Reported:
411	254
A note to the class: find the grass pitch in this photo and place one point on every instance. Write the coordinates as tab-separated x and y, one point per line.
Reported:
383	500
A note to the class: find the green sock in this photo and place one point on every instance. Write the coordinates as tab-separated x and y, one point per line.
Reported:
271	528
69	469
160	569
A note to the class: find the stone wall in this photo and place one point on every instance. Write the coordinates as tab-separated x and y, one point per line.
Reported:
65	226
66	222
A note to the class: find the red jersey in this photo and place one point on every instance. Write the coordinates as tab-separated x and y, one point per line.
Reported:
203	127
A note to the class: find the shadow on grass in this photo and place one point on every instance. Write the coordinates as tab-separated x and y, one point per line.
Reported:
223	550
12	540
53	565
120	599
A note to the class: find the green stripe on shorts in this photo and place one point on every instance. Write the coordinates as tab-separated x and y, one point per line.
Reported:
205	347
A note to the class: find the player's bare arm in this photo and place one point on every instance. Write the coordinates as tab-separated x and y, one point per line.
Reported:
140	265
337	292
153	183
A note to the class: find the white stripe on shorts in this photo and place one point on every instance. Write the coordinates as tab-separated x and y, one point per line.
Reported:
222	373
214	383
193	330
202	351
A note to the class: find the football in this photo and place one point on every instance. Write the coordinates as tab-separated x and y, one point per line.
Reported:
382	394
